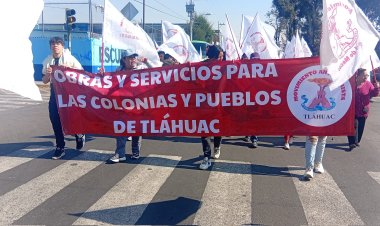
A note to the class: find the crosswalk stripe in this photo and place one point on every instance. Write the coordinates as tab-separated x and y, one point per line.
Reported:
22	156
375	176
323	201
227	197
28	196
10	100
128	199
19	102
8	106
94	155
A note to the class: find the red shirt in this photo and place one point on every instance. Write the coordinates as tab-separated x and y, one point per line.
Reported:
364	92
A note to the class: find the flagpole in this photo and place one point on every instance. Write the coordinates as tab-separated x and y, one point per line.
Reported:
232	34
373	70
102	54
249	29
241	30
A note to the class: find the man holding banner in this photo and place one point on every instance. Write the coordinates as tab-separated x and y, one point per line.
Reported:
63	57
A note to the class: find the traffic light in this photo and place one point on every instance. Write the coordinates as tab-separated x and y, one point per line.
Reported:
70	19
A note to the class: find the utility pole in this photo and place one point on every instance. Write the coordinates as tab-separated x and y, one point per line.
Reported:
143	15
219	35
90	17
190	11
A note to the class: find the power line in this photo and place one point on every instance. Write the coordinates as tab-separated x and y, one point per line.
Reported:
161	11
167	7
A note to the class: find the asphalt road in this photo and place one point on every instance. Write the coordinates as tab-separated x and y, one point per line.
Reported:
165	186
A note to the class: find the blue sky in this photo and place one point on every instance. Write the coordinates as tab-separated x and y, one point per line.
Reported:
170	10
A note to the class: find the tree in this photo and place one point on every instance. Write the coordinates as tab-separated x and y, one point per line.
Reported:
202	29
311	29
306	17
371	10
302	15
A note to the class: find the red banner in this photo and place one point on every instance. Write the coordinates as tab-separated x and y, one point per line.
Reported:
260	97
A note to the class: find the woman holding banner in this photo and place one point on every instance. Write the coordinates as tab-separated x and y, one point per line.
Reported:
128	61
365	90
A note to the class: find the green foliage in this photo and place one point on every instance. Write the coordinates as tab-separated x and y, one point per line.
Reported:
202	29
302	15
371	9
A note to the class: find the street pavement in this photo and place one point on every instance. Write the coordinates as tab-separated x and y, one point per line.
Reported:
165	187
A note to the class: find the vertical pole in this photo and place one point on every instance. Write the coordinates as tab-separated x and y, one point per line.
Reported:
191	29
69	37
43	25
90	17
143	15
190	11
219	33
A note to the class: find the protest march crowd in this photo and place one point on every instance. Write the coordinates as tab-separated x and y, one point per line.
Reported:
135	62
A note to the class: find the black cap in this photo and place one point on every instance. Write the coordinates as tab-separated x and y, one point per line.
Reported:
56	39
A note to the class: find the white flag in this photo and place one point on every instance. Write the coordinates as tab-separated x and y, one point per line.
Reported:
230	44
294	48
258	37
169	29
348	38
147	37
122	33
181	48
17	70
298	48
305	47
289	50
368	64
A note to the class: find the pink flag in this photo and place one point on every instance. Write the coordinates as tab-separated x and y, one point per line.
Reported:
348	37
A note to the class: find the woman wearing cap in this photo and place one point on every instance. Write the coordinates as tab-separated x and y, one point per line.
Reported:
128	61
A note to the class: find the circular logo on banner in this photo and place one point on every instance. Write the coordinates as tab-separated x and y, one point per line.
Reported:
312	102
